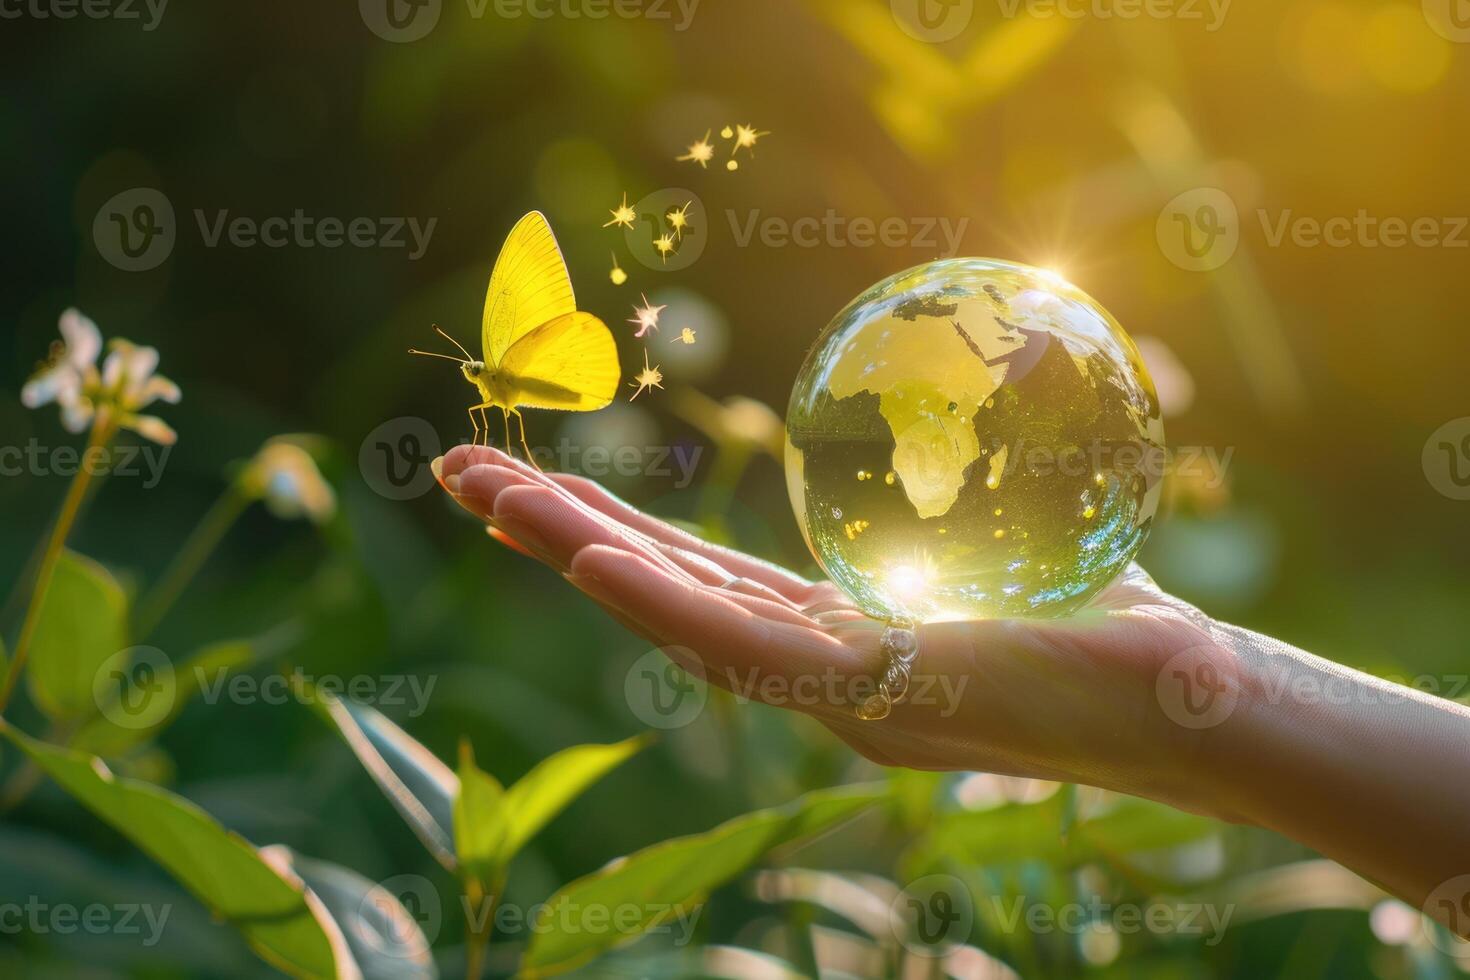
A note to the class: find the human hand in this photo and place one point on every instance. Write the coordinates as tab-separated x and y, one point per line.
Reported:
1070	700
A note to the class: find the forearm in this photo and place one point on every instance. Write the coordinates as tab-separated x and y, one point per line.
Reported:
1372	774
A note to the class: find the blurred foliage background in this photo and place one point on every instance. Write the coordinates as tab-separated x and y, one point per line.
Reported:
1060	139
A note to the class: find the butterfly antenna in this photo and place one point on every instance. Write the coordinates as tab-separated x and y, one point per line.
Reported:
429	353
453	341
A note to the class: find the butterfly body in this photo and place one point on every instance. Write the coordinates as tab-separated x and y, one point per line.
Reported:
539	350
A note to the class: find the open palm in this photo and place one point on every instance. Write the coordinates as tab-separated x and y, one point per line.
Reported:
1069	699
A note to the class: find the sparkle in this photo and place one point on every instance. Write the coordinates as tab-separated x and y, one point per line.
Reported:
700	152
679	219
745	138
646	316
617	275
623	214
686	336
732	164
664	245
649	377
726	133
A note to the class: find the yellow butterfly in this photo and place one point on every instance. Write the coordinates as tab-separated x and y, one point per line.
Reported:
539	351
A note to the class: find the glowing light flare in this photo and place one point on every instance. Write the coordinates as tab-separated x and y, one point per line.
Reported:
623	215
646	316
648	378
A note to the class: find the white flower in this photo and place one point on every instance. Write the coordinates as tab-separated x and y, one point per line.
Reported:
127	382
70	373
286	477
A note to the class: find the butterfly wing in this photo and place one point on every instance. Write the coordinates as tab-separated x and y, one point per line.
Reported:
529	287
569	363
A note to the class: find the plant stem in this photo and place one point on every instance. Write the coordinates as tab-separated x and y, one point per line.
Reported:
101	434
479	913
205	537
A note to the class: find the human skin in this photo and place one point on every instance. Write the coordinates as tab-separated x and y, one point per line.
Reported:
1140	693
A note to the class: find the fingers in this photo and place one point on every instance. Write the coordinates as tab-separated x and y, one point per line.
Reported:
554	524
729	632
551	524
745	566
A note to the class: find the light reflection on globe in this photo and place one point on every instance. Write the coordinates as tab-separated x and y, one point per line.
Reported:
973	438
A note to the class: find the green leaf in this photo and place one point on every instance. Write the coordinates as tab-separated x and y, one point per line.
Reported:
539	795
479	821
82	622
1033	832
419	786
384	937
660	880
492	824
220	868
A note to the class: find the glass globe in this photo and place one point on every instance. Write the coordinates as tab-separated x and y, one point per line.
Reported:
973	438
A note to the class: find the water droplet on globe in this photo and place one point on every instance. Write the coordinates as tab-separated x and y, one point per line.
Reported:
978	388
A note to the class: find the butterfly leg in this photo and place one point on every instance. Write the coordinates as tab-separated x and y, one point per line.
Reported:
482	425
475	438
505	415
530	456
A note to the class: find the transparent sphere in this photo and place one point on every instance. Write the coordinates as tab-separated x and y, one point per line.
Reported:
973	438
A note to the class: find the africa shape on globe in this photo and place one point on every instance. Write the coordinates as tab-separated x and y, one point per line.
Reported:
973	438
